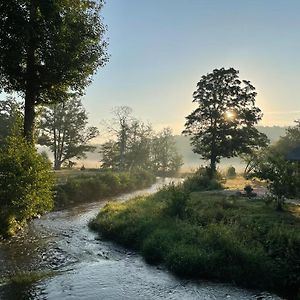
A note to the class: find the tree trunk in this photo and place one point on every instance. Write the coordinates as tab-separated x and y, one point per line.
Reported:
29	117
57	165
213	158
213	168
31	91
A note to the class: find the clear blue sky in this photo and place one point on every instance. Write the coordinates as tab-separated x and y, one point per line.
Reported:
160	48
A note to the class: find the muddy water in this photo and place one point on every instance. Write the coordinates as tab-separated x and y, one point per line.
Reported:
78	265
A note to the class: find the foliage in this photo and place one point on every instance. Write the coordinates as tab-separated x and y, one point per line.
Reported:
64	130
49	48
252	160
110	155
217	237
11	118
201	181
86	188
26	184
273	166
137	146
165	157
223	123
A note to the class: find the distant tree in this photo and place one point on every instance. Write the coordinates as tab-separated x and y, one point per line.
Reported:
133	144
165	158
139	145
11	118
231	173
64	130
223	123
122	120
49	48
110	155
252	159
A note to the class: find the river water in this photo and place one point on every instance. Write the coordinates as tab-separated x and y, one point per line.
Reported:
79	265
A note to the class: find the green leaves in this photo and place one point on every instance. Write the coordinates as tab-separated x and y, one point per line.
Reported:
49	48
223	123
64	129
26	184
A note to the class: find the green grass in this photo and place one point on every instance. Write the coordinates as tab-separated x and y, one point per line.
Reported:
27	277
208	235
91	187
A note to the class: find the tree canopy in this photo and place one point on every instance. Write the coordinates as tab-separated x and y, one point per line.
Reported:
273	165
135	145
223	123
11	118
64	130
49	48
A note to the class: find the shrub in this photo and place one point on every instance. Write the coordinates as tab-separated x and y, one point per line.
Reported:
26	184
231	173
201	181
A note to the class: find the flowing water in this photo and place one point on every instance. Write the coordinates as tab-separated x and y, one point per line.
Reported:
70	262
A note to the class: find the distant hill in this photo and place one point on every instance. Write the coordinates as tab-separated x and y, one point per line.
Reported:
272	132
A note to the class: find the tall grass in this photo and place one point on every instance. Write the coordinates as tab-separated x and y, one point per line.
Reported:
212	236
85	188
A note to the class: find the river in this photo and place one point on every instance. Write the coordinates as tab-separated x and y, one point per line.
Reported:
82	266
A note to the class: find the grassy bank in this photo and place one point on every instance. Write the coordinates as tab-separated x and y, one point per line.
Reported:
87	187
208	235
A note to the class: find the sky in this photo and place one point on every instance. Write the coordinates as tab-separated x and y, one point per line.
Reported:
159	49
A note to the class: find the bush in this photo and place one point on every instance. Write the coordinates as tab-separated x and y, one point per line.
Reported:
201	181
26	184
231	173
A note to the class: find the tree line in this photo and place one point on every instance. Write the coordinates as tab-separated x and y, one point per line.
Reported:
64	129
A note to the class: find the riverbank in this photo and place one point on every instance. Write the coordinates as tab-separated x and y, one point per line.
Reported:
91	187
58	257
212	236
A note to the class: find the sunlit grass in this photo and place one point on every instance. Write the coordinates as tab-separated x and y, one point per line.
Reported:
210	235
239	182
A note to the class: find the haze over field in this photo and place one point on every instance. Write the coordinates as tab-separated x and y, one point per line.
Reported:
190	159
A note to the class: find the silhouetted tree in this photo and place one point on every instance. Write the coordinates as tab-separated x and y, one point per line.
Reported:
49	48
223	123
64	130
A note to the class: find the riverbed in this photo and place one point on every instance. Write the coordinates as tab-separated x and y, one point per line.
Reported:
72	262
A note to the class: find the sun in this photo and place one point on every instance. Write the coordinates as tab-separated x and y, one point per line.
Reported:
230	115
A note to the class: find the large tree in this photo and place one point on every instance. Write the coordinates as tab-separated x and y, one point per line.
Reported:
49	48
64	130
223	123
